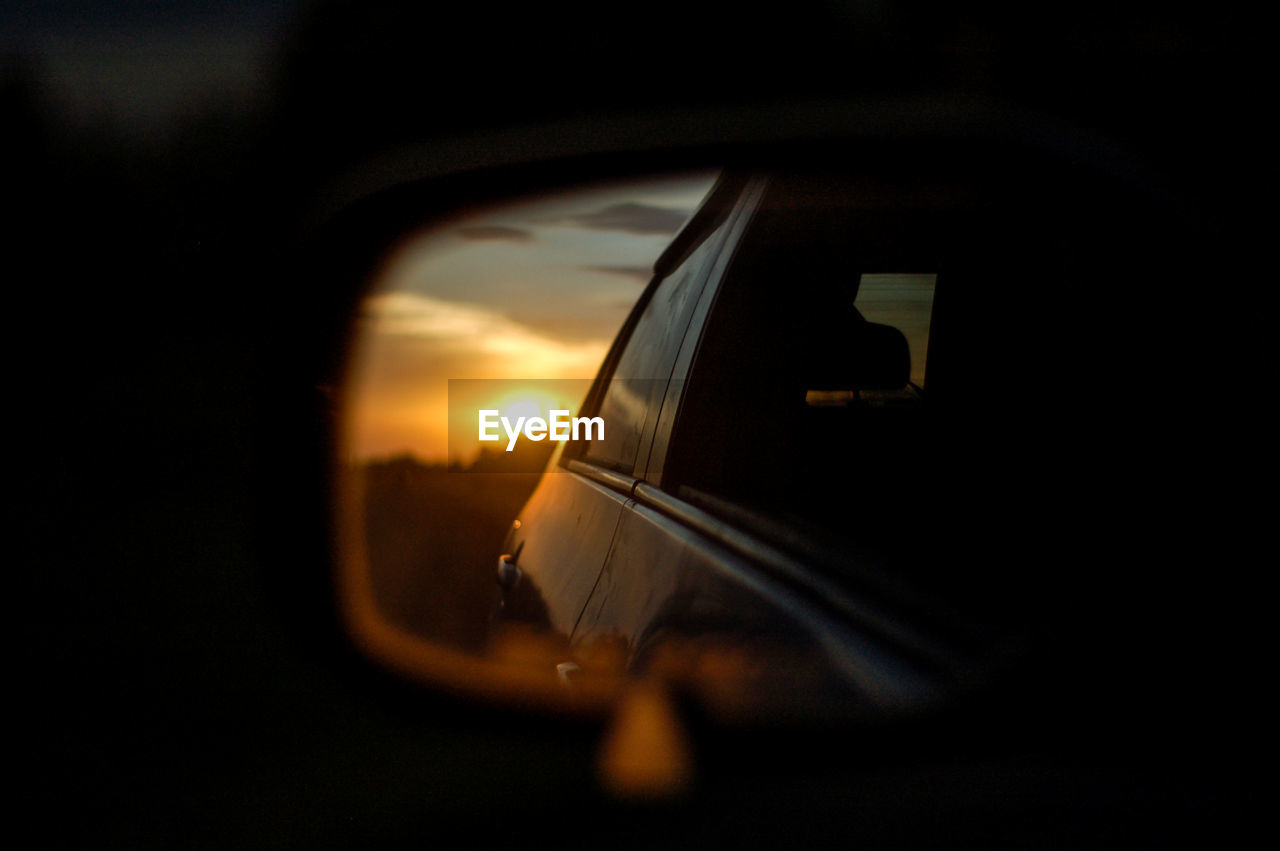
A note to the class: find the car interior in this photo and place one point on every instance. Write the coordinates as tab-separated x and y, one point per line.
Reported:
800	408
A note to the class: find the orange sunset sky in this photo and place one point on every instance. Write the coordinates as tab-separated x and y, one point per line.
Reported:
531	290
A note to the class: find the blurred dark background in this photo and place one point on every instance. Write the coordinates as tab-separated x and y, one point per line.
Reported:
179	682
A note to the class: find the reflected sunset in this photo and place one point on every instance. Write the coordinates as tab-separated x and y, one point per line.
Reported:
514	398
534	291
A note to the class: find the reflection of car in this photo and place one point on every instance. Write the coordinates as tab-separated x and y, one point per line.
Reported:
827	430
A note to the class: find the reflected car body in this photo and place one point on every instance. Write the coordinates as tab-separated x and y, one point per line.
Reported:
784	479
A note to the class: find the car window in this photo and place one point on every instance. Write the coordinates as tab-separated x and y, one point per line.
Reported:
809	408
633	395
903	301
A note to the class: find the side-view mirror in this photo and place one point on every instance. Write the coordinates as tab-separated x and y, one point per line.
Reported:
713	543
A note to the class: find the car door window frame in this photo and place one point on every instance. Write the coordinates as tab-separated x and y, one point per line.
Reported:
717	220
740	217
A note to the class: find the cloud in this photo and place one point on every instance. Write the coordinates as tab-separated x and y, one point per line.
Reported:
488	340
629	217
488	233
640	274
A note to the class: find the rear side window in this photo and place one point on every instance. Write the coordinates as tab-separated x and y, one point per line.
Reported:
901	302
905	302
865	389
633	397
809	400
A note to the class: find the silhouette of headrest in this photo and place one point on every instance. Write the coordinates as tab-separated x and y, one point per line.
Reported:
870	357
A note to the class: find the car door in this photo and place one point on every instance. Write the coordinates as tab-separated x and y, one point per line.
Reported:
562	536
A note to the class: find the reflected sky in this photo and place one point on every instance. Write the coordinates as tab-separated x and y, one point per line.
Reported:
533	290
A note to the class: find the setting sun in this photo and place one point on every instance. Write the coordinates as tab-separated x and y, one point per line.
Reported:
514	398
